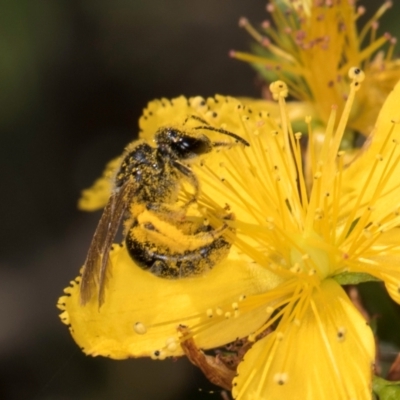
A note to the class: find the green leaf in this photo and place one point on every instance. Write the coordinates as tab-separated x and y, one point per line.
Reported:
386	390
354	278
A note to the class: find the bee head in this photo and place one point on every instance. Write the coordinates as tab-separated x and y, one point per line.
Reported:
182	145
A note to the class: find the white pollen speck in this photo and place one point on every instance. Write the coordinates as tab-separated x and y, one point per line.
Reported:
171	344
235	306
281	378
269	310
209	313
242	297
228	314
236	313
219	311
139	328
251	337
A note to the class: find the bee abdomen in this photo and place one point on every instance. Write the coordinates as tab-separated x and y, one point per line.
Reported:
161	261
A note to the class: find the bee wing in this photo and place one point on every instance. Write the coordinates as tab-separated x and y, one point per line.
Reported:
97	260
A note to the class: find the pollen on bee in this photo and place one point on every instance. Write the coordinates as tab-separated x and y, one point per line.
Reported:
139	328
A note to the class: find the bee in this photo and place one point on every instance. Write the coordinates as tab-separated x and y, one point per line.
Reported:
146	187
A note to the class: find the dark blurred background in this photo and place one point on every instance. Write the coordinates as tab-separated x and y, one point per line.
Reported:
74	77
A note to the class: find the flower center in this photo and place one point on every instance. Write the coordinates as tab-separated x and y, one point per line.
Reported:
312	256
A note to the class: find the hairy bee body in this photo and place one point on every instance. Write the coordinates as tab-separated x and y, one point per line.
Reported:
159	236
156	180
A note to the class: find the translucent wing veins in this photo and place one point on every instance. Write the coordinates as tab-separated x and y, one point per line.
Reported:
95	268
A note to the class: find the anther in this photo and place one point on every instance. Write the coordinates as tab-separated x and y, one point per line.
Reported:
280	378
279	90
269	310
219	311
139	328
341	334
357	76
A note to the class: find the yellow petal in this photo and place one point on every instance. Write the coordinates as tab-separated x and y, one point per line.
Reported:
141	312
166	112
372	180
385	263
328	354
97	195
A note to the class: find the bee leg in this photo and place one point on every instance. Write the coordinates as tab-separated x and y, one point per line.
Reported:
192	178
166	211
160	268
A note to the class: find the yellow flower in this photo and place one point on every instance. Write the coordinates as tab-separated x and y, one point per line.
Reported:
293	241
312	47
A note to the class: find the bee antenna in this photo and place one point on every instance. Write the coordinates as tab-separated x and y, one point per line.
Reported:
197	118
224	132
